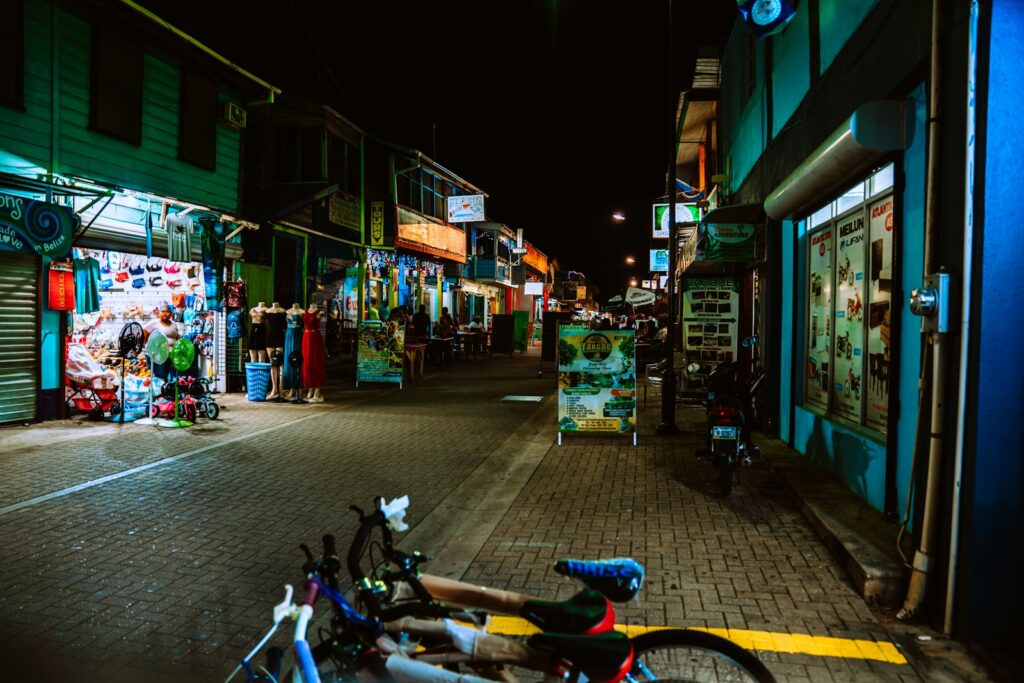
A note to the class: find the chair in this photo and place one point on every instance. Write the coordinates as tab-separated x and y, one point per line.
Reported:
654	375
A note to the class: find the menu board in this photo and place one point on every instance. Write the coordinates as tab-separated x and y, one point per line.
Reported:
596	381
710	324
880	230
381	352
819	317
848	349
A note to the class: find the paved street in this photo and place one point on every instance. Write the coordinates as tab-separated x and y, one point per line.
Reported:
171	570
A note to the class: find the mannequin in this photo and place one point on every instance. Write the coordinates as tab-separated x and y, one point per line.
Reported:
292	373
258	334
314	365
275	321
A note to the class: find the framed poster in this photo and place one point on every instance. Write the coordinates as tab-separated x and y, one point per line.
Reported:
819	317
880	250
710	324
848	349
596	381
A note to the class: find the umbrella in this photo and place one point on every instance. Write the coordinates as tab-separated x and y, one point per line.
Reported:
631	296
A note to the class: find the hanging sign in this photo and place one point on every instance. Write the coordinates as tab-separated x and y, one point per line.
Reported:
381	352
343	209
466	209
728	242
659	260
376	224
596	381
685	213
32	226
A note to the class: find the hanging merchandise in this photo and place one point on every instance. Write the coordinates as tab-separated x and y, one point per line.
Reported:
179	237
234	294
212	240
62	286
87	285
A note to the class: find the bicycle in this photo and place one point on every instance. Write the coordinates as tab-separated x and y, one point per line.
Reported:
399	603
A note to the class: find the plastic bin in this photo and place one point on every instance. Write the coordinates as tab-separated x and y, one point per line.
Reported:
257	381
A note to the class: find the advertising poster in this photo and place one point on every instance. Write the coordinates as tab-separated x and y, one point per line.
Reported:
596	381
819	316
685	213
350	298
729	242
710	324
381	353
848	349
880	230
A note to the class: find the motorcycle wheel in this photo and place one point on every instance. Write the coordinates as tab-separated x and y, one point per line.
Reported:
212	410
724	475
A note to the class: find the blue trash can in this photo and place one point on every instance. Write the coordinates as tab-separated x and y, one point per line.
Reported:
257	381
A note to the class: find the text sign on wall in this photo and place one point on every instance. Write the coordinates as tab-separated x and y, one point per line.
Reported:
343	210
32	226
377	224
659	260
596	381
466	209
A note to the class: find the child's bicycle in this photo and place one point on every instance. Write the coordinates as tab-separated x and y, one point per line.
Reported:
413	628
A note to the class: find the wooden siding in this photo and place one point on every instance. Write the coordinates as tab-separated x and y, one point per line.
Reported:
27	133
151	167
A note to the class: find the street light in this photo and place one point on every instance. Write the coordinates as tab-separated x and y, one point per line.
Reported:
668	376
630	260
618	217
632	282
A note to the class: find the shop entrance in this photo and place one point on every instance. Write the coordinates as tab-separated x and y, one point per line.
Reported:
19	338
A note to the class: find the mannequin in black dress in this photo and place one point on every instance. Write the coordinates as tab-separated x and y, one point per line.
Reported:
275	321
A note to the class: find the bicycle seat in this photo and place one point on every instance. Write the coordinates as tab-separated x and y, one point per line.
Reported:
619	580
605	657
586	612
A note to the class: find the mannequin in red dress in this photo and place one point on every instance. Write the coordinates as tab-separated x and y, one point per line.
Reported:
314	364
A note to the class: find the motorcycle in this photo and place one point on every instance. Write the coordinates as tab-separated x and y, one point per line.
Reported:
846	272
852	385
844	346
854	308
729	407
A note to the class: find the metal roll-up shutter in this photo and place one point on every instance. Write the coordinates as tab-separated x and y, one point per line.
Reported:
19	338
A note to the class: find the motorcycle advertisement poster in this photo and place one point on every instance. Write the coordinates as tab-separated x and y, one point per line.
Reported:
710	323
596	381
848	351
880	229
819	318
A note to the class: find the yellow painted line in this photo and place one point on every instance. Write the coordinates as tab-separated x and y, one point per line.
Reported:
764	641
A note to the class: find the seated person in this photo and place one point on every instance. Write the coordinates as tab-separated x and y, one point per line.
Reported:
421	323
477	340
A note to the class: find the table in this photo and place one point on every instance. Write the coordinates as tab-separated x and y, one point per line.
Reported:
413	353
465	339
442	344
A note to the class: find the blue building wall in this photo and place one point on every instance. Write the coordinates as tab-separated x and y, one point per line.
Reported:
791	75
912	246
743	120
997	394
838	21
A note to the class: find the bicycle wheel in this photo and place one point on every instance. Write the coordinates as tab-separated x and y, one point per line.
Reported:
694	656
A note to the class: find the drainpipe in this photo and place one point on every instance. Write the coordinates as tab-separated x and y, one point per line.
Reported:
923	557
965	316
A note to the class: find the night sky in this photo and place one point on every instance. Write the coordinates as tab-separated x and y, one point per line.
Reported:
559	110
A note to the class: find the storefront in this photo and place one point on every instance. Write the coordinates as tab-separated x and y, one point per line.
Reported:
33	236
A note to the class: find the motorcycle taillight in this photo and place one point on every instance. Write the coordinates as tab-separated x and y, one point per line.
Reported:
724	412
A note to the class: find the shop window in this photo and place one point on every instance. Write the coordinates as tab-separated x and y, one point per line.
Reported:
115	104
881	181
12	54
848	333
820	216
297	154
197	141
851	198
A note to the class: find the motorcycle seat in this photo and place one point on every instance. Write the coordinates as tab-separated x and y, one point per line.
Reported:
605	657
587	612
619	580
